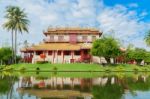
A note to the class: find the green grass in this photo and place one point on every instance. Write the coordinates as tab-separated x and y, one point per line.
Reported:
74	74
74	70
58	67
78	67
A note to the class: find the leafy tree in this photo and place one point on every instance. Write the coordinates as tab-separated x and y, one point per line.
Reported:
9	25
16	22
5	55
107	47
137	54
147	38
147	58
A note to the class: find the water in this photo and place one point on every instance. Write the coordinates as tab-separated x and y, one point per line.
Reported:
133	86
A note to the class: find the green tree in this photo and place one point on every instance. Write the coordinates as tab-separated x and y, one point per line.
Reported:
17	21
107	47
9	26
147	38
5	55
137	54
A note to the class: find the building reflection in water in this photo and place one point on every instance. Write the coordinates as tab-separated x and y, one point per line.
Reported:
67	88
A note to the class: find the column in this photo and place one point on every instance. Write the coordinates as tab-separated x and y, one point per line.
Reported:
72	54
62	54
82	55
53	54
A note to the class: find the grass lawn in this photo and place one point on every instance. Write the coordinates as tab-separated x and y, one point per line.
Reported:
58	67
77	67
74	70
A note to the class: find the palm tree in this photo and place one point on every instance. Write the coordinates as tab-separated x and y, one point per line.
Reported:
9	25
21	24
18	22
147	38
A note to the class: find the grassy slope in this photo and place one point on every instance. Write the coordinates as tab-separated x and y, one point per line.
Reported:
60	67
80	67
89	68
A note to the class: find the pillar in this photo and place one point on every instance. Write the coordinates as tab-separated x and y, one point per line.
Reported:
62	54
53	54
82	55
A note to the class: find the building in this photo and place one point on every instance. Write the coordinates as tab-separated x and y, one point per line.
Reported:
63	45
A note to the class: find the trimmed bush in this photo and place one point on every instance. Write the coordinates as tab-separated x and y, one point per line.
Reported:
41	62
136	69
22	69
8	68
55	68
107	70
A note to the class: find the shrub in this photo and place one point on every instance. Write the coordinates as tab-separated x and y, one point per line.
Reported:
55	68
136	69
145	69
41	62
37	68
22	69
107	70
120	69
8	68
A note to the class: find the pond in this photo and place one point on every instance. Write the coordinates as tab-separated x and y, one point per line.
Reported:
105	86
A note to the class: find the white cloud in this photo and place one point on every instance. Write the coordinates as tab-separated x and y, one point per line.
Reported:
134	5
126	24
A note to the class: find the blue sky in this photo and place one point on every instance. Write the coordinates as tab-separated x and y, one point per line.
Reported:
142	5
127	20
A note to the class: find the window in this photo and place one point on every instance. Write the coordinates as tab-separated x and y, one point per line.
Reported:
77	53
84	38
51	37
59	53
86	52
93	38
67	53
49	52
39	52
60	38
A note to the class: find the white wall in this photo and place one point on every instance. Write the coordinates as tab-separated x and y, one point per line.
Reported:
98	60
66	37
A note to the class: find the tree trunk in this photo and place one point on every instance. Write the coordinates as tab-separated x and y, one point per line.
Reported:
12	45
108	60
15	45
114	61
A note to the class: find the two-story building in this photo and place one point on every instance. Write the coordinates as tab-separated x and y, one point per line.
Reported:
63	45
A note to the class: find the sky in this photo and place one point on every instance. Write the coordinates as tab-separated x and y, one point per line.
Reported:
126	20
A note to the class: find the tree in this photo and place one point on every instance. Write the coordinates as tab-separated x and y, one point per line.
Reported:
5	55
16	21
9	25
107	47
147	38
137	54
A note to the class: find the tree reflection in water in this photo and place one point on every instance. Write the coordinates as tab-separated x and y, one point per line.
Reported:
108	91
6	85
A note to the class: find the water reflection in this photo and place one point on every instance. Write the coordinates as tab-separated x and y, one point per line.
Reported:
104	87
6	86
